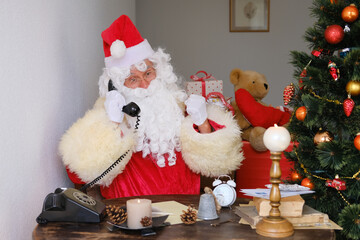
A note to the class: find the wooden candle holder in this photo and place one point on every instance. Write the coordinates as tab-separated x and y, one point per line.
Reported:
274	225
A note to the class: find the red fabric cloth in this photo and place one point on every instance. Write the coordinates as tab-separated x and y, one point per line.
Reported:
257	114
142	176
255	169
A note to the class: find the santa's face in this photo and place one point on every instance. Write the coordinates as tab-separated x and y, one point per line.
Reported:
141	79
160	116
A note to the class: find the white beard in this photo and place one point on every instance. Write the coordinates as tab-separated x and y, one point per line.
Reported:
160	119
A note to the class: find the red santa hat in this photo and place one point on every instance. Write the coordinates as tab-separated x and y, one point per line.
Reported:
123	44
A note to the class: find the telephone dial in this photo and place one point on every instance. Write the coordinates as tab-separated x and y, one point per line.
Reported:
72	205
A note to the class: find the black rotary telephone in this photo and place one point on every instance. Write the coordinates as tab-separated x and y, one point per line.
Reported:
72	205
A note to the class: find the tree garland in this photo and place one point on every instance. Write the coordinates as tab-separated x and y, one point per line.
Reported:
325	179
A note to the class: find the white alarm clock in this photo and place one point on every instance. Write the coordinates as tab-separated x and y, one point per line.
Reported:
224	191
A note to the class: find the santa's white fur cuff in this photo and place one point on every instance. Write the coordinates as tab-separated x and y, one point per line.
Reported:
215	153
93	143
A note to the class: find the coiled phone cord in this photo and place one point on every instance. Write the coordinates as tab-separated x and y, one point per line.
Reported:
90	184
131	109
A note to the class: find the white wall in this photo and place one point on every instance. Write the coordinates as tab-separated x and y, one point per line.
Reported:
51	58
196	33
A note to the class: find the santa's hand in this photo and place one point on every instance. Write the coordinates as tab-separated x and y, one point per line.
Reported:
113	105
196	108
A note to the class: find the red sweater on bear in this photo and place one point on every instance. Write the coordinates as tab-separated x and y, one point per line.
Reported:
257	114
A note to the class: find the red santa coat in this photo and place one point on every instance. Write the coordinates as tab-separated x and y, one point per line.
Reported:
94	142
142	176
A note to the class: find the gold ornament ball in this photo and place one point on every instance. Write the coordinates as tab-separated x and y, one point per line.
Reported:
350	13
301	113
353	88
323	136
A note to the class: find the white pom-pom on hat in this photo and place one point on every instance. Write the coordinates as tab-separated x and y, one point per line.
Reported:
118	49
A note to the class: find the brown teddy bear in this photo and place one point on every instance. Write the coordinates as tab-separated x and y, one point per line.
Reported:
254	116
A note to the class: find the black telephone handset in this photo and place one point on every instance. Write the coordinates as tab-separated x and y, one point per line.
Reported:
72	205
132	109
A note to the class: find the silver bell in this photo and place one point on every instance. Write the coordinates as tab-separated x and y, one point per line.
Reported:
207	207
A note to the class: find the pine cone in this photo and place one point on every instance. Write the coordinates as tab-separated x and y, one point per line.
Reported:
116	214
189	216
146	221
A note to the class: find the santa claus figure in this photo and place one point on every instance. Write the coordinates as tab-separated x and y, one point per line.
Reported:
164	147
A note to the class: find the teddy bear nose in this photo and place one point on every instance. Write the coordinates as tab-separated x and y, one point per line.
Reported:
266	86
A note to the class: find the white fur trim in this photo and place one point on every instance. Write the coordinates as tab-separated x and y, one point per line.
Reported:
118	49
215	153
93	143
133	55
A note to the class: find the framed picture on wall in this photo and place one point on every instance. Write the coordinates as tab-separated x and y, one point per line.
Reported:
249	15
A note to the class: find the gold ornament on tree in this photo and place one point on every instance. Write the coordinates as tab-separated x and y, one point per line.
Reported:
353	86
350	13
323	136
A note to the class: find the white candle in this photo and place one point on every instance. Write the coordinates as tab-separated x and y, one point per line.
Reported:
276	138
136	210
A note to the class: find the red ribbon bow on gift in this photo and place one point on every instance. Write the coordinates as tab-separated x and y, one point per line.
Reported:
195	77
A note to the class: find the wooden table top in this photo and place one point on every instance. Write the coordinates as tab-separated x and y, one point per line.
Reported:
199	230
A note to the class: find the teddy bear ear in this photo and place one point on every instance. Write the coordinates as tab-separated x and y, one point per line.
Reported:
235	76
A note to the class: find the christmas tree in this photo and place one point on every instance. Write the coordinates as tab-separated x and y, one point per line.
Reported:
326	114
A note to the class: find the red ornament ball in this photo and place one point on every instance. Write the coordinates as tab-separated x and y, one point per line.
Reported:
306	182
357	141
301	113
350	13
334	34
